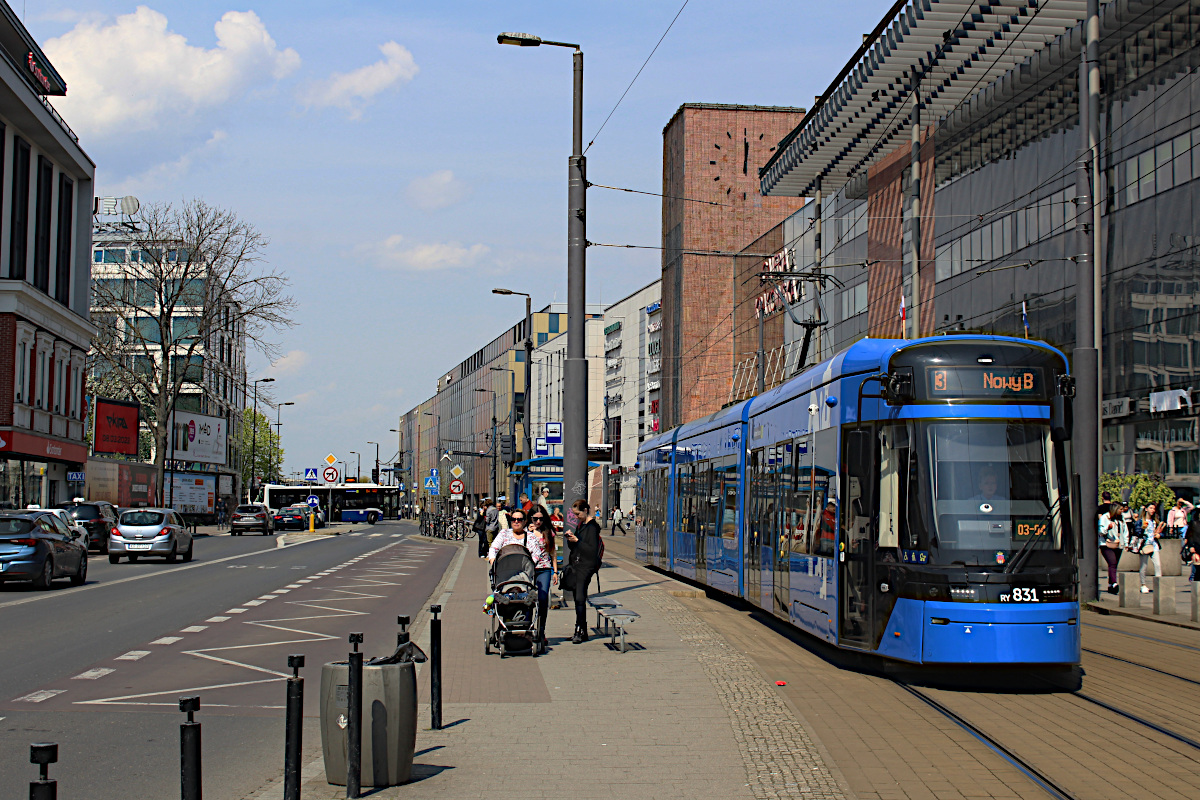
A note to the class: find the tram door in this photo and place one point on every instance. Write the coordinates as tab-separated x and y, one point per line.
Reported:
857	539
752	540
782	549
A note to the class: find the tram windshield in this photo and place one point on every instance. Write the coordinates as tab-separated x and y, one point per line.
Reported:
973	493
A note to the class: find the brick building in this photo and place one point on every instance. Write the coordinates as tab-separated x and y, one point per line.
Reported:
712	203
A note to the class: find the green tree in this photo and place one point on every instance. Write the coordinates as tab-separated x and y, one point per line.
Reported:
1143	488
267	453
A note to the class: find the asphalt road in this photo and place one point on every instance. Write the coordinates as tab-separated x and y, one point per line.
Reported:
99	668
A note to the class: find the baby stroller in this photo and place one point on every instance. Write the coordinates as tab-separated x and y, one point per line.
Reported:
513	613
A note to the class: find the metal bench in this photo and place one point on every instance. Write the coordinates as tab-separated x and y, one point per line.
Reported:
601	603
618	617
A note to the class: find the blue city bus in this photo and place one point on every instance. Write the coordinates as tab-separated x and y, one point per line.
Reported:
905	498
341	502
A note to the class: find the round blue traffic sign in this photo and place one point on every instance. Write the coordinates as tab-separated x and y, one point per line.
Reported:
313	500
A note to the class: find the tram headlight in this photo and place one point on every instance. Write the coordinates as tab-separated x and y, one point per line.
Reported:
962	592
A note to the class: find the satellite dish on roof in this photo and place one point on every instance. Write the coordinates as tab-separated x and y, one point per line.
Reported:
129	205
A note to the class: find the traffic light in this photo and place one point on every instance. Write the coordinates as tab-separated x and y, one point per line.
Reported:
506	448
375	476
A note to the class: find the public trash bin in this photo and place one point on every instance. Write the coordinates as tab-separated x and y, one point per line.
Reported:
389	718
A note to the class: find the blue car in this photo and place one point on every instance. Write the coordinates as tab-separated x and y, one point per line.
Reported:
36	546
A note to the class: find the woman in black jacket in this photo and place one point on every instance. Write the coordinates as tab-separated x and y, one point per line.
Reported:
586	550
1191	546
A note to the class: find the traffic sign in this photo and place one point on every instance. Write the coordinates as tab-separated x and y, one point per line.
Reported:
431	483
331	459
310	473
553	433
433	473
457	471
540	446
330	474
77	477
457	487
313	500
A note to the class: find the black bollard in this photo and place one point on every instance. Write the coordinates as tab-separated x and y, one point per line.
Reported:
435	668
402	637
354	728
189	750
43	754
293	730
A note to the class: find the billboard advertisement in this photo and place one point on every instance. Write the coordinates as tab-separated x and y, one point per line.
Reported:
198	438
191	493
116	427
126	484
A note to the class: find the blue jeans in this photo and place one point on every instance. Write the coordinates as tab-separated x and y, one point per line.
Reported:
542	578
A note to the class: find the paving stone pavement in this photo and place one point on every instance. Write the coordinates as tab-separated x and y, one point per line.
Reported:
684	715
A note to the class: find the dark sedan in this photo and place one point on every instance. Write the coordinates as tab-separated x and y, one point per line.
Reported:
293	517
37	546
96	517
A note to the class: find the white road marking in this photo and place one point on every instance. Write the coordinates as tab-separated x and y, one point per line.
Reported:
216	619
194	629
281	591
168	640
236	611
133	655
306	580
93	674
39	696
253	603
293	586
373	535
266	597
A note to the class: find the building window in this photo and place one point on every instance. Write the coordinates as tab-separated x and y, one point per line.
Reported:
145	330
22	354
66	218
41	224
43	378
541	338
59	386
553	323
18	243
75	392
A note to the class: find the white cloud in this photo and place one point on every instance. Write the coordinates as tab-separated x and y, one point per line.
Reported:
393	252
134	74
437	190
290	363
163	175
352	90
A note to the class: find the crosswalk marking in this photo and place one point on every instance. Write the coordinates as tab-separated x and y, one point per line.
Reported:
93	674
168	640
216	619
133	655
39	696
236	611
254	603
194	629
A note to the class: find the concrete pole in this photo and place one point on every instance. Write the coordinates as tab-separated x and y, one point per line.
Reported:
575	376
818	256
1086	435
915	215
528	404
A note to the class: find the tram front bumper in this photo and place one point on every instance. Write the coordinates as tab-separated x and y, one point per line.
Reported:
994	633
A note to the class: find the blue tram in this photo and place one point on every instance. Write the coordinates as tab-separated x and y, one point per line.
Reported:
906	498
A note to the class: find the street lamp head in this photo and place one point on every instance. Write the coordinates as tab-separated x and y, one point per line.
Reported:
287	404
502	291
265	380
519	39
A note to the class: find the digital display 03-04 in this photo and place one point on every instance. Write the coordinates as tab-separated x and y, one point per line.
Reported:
986	382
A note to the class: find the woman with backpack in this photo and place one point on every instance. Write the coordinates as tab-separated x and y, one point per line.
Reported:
587	550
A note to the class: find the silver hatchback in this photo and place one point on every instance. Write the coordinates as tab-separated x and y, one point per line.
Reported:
150	532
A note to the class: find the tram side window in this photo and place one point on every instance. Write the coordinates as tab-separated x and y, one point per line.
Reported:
757	466
860	510
683	499
728	513
795	499
703	494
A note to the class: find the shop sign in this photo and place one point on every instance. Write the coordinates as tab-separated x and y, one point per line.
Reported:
652	386
654	327
35	70
768	302
616	326
39	447
655	367
1120	407
653	308
654	348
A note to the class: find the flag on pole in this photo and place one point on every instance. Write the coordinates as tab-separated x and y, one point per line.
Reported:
903	316
1025	318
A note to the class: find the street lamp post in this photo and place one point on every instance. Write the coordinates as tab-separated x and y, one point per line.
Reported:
495	444
527	450
512	422
375	475
279	439
575	376
437	458
358	467
254	437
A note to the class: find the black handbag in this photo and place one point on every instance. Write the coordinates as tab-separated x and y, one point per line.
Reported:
566	580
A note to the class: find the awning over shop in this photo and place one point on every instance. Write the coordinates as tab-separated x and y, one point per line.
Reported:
957	50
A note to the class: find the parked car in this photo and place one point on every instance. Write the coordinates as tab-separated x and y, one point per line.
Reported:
37	546
150	532
294	516
252	517
97	517
74	527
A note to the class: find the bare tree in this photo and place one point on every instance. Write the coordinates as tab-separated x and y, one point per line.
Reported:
194	282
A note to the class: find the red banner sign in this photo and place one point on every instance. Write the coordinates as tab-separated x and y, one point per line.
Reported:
116	427
41	447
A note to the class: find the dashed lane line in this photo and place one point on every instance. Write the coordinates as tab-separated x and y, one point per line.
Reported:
194	629
253	603
93	674
39	696
133	655
237	611
168	640
217	619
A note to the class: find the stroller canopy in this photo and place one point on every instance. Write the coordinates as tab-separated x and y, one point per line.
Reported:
513	563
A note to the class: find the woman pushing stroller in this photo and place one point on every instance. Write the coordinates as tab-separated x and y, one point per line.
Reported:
538	539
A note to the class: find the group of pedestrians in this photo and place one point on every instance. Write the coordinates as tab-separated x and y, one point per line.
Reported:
533	526
1142	533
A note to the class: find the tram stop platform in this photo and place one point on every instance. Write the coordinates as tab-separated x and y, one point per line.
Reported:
682	713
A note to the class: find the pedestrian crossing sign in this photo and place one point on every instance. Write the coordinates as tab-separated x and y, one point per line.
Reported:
431	483
310	474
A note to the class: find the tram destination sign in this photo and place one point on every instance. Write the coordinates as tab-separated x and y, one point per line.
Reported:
986	382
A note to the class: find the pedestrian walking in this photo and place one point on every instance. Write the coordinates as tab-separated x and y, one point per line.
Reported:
1152	530
1177	517
479	526
617	519
587	550
546	568
1110	545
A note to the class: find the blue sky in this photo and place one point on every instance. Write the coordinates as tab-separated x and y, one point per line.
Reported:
402	163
